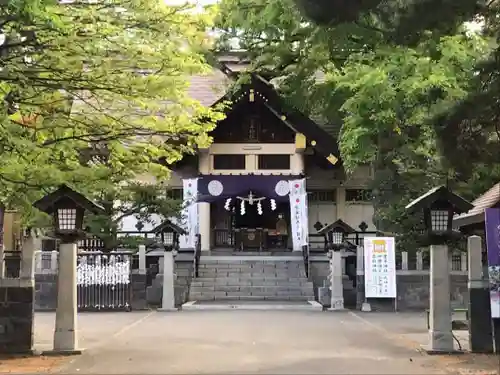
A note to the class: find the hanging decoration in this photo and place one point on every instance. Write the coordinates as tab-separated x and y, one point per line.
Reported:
259	208
103	270
227	205
273	205
251	199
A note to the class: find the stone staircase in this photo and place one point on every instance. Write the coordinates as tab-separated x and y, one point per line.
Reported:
251	278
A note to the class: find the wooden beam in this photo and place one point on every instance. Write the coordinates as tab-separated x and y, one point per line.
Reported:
300	142
332	159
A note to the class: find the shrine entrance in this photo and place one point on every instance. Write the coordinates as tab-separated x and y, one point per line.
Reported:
250	222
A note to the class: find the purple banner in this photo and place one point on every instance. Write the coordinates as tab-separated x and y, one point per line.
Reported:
492	224
212	188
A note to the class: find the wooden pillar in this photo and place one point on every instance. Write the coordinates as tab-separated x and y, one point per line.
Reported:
340	201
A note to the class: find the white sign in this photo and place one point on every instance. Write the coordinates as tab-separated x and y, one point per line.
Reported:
298	213
380	267
189	213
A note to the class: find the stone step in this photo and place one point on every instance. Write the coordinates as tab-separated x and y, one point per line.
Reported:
206	281
221	296
253	289
237	260
250	275
243	278
249	264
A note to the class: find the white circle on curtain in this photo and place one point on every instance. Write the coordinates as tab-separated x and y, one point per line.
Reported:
215	188
282	188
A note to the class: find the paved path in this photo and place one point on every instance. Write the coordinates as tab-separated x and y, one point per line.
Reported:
246	342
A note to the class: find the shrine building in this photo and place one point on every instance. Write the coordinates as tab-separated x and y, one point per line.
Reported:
242	181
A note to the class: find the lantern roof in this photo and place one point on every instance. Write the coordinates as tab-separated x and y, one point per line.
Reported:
440	194
490	199
346	228
49	202
168	224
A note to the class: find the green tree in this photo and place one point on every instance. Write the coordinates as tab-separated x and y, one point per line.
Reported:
95	95
352	70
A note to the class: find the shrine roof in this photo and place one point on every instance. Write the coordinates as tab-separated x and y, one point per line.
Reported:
215	87
475	215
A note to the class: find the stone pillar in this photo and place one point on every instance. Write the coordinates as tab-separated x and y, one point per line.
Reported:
340	202
168	298
440	335
27	257
337	289
54	258
38	261
404	260
463	261
480	332
2	261
65	335
204	212
420	260
142	258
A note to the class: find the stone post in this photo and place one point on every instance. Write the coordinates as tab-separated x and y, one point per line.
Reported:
38	262
65	335
420	260
360	266
142	258
2	261
27	257
337	289
463	262
440	335
204	217
480	332
54	254
404	260
168	298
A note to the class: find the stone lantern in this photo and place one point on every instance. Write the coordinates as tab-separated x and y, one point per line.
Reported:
335	234
67	208
438	206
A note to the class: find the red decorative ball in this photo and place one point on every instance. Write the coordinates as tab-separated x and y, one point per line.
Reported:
298	200
296	186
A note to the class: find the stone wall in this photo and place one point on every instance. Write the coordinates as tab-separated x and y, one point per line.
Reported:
45	292
412	288
139	284
413	292
16	316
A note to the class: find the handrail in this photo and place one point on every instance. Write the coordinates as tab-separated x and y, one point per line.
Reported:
197	254
305	255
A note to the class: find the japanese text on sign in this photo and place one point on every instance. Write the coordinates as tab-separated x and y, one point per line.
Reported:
380	267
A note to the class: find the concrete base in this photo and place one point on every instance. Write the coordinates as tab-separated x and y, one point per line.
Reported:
337	305
441	341
58	353
431	351
256	305
366	307
168	310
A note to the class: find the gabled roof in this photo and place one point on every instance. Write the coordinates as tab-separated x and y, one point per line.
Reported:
214	87
316	136
168	224
337	224
48	203
436	194
489	199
